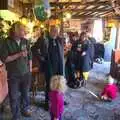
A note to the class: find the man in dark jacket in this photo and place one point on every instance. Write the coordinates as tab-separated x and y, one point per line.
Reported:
55	57
39	51
50	50
83	62
92	42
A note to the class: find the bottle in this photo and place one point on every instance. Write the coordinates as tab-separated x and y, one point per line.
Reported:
23	48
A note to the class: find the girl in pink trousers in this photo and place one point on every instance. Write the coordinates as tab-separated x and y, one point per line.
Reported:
110	90
56	95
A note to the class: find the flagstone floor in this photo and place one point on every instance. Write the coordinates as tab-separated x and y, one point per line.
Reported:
82	105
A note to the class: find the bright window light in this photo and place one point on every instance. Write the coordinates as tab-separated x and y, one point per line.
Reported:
98	30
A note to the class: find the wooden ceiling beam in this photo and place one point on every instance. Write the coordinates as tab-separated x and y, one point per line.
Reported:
93	16
80	10
105	13
96	17
78	17
53	4
90	10
85	8
84	17
101	10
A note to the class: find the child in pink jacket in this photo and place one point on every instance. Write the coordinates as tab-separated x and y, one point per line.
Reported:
56	95
110	90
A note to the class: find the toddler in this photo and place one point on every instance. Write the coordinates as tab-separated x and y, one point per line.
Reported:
56	95
110	90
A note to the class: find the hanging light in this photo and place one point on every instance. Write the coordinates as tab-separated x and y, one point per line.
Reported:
42	26
68	15
24	20
30	26
64	19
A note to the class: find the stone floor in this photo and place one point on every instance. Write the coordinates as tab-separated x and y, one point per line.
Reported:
82	104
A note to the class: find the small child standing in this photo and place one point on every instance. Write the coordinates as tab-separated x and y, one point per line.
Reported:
110	90
56	95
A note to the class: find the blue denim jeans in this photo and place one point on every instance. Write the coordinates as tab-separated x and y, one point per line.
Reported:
18	93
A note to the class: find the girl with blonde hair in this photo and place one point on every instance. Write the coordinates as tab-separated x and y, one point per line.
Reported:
56	95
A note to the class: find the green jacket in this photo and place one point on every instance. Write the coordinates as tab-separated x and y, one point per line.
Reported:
21	65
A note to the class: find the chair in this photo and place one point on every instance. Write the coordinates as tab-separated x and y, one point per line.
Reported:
38	78
115	65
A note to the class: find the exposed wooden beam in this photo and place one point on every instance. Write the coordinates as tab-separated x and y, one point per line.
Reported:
79	10
96	17
96	14
106	9
79	3
93	9
105	13
85	17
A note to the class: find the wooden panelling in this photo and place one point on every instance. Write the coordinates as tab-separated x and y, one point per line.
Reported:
3	4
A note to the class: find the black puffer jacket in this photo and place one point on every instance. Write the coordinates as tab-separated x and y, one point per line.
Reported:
83	62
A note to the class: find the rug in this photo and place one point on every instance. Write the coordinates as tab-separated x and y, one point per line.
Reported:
82	105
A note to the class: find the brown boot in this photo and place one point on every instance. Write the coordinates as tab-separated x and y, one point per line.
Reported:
27	113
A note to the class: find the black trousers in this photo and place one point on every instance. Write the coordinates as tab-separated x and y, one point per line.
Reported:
47	86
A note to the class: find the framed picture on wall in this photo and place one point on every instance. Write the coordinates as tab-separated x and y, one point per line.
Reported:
107	33
67	24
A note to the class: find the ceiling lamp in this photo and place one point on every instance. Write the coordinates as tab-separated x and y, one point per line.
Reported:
64	19
42	26
68	15
24	20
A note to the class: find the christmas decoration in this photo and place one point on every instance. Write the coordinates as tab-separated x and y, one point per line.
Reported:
42	10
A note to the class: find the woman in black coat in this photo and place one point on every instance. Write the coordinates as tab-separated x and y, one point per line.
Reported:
83	62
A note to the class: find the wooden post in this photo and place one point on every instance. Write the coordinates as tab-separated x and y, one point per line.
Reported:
62	23
3	4
117	42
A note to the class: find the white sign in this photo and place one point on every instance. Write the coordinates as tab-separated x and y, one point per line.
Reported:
11	3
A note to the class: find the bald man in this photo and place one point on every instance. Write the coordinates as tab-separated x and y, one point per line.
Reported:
55	57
